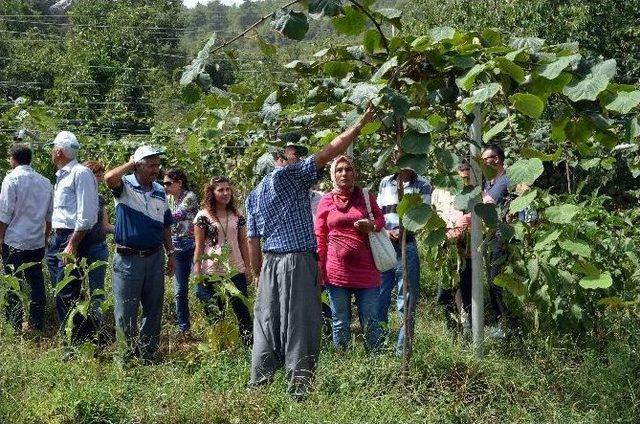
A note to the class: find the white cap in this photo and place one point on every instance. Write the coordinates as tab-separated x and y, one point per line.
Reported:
144	152
66	140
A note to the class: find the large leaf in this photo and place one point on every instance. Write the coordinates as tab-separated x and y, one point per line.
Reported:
522	201
192	72
384	68
408	202
511	283
337	68
593	84
372	42
488	213
577	247
290	23
271	109
419	163
465	200
416	143
466	81
320	8
481	95
442	33
417	217
602	281
528	104
419	125
495	130
525	171
562	214
552	70
623	101
362	94
507	67
353	22
399	102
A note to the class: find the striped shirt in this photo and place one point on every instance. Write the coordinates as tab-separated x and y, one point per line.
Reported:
141	217
279	210
388	197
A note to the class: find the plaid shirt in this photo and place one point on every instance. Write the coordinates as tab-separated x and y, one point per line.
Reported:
279	211
388	197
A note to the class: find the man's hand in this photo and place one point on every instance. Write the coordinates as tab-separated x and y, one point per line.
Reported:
394	235
69	250
170	265
369	116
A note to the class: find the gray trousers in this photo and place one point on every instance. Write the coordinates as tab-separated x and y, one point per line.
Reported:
287	319
139	281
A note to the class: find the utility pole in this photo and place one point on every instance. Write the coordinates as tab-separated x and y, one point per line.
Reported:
477	265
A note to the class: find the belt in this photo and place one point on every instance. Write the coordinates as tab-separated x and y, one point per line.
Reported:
62	230
129	251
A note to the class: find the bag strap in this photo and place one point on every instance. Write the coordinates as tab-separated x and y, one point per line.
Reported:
368	203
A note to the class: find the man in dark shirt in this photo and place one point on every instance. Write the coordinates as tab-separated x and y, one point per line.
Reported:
496	191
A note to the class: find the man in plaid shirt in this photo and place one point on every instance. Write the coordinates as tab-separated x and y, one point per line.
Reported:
388	202
287	318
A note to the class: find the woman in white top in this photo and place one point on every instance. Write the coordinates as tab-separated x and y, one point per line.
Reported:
222	251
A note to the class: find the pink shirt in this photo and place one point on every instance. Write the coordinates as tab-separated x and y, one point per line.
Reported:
345	255
217	236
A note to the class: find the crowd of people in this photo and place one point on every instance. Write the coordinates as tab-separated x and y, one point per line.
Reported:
289	239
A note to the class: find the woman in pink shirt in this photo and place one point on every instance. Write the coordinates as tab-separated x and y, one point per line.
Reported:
221	250
346	262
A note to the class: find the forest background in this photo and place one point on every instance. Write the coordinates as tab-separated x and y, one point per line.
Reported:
111	71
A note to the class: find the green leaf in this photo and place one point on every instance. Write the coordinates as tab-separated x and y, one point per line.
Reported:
416	218
415	143
552	70
192	72
353	22
481	95
386	67
190	93
547	239
266	48
593	84
528	104
577	247
525	171
466	81
522	201
362	94
623	102
602	281
408	202
371	127
562	214
290	23
399	102
419	163
511	283
465	200
488	213
320	8
442	33
271	109
532	44
382	159
372	42
421	44
391	15
509	68
419	125
337	69
632	128
495	130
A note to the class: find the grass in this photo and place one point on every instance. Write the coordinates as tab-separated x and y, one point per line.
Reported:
520	381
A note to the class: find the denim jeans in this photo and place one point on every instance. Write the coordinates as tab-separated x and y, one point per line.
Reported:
12	259
214	305
367	303
183	260
83	328
139	281
393	278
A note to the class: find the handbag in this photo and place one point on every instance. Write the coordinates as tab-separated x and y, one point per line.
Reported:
384	254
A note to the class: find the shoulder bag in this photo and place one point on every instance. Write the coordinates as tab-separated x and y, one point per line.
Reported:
384	254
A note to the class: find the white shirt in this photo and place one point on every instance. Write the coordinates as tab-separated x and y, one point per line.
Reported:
26	203
75	200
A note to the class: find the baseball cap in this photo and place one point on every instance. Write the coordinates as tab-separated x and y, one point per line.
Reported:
145	152
66	140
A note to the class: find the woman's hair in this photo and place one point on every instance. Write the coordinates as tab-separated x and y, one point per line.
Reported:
178	175
209	201
95	166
